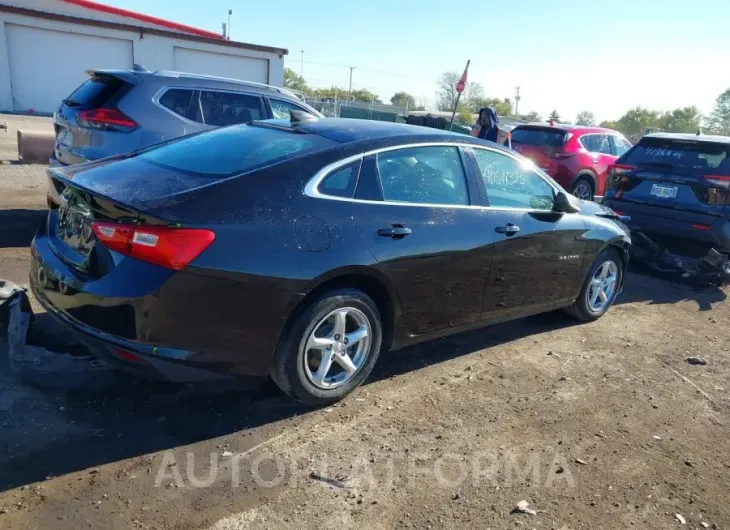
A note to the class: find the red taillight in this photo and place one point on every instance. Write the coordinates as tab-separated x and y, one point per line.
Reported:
169	247
704	228
718	180
111	119
127	355
620	169
560	155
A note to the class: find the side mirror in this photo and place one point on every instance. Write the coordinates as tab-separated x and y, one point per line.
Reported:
566	203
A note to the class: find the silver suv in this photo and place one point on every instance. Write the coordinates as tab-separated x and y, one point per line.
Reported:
118	111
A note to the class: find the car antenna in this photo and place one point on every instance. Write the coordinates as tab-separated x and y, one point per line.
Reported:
300	116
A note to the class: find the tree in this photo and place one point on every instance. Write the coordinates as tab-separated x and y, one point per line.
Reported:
364	95
342	95
719	120
554	116
404	100
636	120
609	124
294	81
586	118
682	120
447	95
503	107
465	118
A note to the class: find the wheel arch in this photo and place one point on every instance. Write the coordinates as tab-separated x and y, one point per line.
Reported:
366	279
590	176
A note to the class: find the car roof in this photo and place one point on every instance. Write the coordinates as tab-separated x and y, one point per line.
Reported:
568	127
346	130
691	137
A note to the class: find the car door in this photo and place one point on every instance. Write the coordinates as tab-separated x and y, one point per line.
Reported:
538	252
417	211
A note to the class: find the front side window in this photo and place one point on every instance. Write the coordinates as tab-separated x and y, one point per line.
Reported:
281	109
227	108
177	100
513	184
424	175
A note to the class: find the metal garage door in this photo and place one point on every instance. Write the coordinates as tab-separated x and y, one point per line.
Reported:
46	66
222	65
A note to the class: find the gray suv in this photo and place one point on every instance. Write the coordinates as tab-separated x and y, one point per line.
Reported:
118	111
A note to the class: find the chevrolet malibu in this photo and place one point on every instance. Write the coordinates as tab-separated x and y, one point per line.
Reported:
305	248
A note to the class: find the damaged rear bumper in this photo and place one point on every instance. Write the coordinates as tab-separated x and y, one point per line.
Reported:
712	266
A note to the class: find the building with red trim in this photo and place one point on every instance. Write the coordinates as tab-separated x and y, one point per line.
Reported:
47	45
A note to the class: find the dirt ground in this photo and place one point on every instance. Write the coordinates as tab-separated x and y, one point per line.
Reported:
597	426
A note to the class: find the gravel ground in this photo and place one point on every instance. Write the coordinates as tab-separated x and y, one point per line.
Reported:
597	426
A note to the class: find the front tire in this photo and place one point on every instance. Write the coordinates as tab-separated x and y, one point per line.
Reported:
329	349
600	287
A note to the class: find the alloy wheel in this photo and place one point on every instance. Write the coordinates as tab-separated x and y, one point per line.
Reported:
583	190
603	286
337	348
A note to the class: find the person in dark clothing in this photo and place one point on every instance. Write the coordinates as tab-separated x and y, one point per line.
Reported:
488	124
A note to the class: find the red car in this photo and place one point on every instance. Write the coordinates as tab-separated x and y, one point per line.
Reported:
576	157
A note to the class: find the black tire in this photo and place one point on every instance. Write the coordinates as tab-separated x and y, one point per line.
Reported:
287	367
588	182
581	309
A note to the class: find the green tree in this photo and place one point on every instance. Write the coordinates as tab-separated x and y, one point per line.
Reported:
719	120
503	107
342	94
682	120
465	117
404	100
554	116
294	81
609	124
586	118
635	120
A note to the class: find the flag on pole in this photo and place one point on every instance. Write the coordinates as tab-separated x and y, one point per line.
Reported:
462	82
460	86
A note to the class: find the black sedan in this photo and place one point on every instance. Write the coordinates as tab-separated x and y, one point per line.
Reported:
305	248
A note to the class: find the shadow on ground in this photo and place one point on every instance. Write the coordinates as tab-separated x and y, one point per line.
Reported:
18	226
136	417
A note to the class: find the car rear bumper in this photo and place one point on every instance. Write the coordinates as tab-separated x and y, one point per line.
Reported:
164	324
684	228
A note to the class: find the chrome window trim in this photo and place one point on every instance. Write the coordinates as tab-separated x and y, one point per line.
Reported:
311	189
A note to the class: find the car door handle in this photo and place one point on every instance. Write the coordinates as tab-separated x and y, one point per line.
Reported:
508	229
394	231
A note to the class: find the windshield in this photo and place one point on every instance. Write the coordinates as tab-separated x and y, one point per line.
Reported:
232	150
539	136
688	156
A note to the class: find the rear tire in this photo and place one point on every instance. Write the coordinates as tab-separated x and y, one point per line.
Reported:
583	189
315	362
607	269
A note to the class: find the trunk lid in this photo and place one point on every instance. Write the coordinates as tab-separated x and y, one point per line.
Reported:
685	174
541	144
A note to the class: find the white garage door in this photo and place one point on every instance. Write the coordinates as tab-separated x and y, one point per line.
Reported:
46	66
222	65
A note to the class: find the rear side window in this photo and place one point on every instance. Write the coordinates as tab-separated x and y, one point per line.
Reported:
95	92
227	108
538	136
424	175
341	182
693	157
178	100
596	143
230	151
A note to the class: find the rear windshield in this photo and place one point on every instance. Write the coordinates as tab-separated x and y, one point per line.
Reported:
704	157
95	92
540	136
231	150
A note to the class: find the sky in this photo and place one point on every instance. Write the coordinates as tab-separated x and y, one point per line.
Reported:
604	56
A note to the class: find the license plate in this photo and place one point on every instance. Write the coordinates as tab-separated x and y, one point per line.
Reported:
664	192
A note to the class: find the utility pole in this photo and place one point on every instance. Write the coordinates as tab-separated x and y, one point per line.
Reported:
349	93
230	12
517	102
301	72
